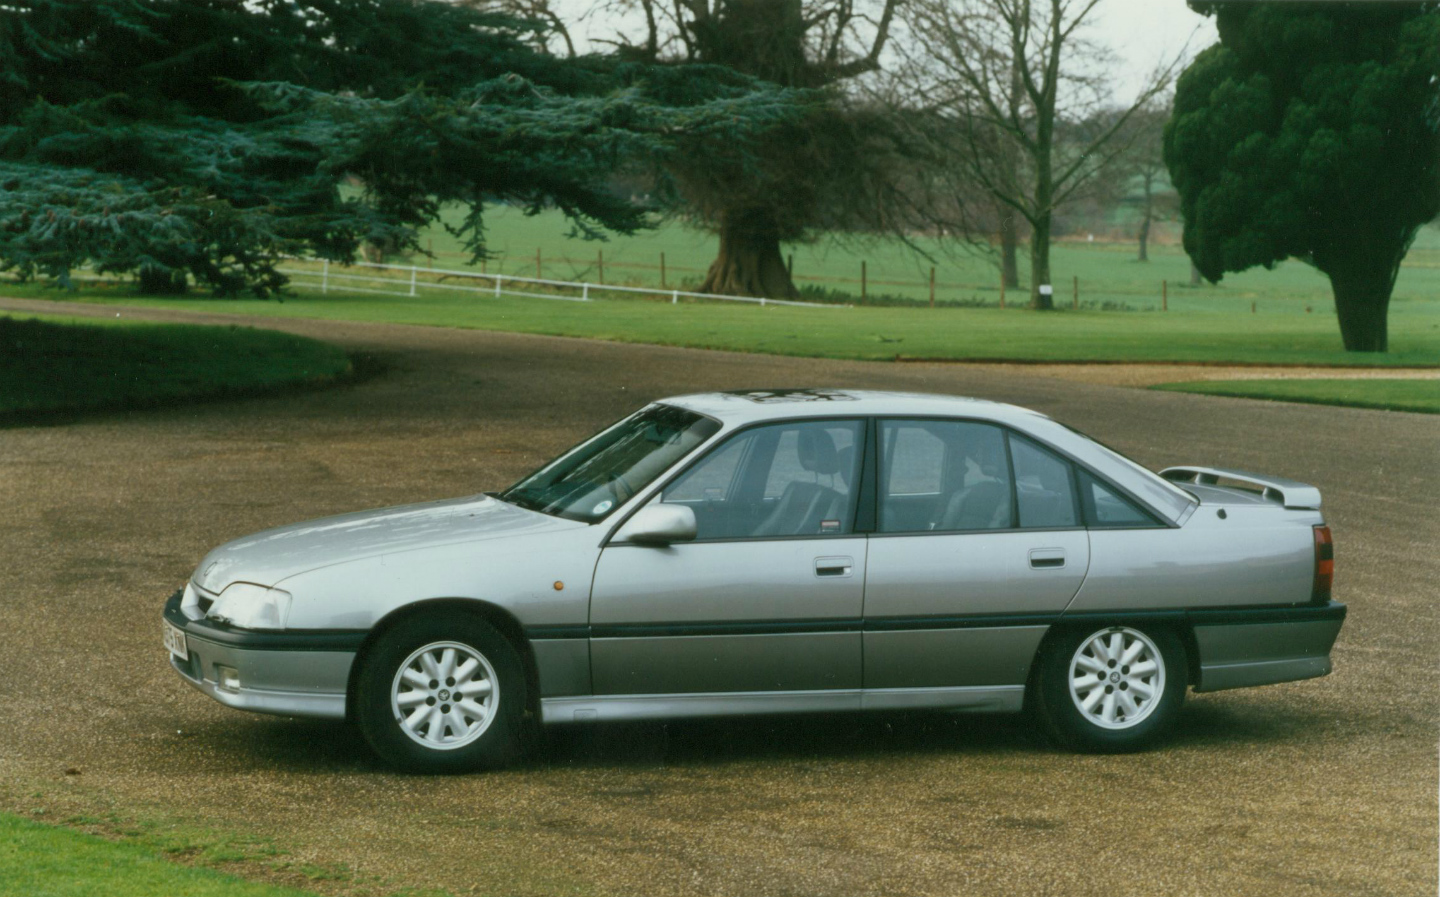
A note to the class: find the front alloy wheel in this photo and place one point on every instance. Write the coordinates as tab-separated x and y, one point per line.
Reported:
1115	689
442	693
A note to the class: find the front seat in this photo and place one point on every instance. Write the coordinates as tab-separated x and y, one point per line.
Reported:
803	505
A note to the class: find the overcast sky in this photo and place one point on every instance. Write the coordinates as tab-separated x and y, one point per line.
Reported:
1141	32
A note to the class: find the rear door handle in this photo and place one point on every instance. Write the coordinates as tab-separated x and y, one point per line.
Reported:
1041	558
840	567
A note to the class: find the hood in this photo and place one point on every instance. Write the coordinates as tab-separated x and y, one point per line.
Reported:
267	557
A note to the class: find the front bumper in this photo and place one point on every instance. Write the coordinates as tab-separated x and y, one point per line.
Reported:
288	673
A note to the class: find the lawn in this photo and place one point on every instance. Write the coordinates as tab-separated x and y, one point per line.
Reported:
57	365
38	860
860	332
1285	316
1107	269
1387	394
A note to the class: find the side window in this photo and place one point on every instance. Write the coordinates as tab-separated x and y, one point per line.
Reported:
943	475
786	479
711	479
1043	490
1104	507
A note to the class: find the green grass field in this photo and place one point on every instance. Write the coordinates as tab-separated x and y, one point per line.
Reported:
1292	321
1386	394
38	860
860	332
59	365
1106	269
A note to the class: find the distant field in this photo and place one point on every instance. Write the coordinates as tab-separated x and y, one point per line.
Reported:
861	332
1277	317
1389	395
1107	271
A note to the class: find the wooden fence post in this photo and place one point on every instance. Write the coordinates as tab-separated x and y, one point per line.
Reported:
430	250
324	277
1002	289
537	262
1075	296
932	286
412	280
790	264
863	281
662	270
1164	295
600	262
1252	307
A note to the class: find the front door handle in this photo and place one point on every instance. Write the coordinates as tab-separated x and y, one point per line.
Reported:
1042	558
840	567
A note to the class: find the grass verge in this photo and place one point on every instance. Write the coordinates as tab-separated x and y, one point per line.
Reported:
58	366
866	333
41	860
1387	394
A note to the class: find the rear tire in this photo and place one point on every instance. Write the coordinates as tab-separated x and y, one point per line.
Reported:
442	693
1111	690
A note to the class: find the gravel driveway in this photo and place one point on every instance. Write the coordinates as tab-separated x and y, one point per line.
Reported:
1321	787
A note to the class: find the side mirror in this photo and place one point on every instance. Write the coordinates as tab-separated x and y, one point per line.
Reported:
659	524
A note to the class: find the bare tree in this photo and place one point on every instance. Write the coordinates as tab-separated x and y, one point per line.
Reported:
555	34
1147	165
813	178
1011	75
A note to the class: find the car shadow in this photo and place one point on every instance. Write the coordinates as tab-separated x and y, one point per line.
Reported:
295	745
785	737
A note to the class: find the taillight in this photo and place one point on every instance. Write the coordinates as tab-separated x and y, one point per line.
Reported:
1324	565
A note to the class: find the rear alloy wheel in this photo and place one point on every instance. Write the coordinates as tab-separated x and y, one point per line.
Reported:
1113	689
442	694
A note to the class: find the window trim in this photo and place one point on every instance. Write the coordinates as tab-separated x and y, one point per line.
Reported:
1075	466
1087	506
1070	474
879	492
660	484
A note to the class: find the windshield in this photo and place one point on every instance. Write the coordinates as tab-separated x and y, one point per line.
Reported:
603	472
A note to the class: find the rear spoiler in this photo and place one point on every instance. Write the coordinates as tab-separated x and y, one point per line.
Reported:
1289	493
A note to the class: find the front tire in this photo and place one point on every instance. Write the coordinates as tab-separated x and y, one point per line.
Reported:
1111	690
442	693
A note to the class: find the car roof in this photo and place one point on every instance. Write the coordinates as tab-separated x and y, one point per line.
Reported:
751	405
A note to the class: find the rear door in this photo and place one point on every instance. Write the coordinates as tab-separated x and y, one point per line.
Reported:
979	543
767	598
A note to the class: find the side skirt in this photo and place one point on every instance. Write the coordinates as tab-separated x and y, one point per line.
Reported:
594	708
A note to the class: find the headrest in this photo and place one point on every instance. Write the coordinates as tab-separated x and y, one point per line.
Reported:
817	451
845	462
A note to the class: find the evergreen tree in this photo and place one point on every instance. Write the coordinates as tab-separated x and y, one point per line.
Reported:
1312	131
206	139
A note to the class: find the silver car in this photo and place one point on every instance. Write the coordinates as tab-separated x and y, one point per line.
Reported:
775	552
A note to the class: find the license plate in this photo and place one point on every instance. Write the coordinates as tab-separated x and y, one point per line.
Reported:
175	642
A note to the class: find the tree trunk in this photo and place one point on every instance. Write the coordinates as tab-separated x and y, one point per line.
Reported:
749	262
1040	264
1362	303
1145	221
157	281
1194	275
1009	242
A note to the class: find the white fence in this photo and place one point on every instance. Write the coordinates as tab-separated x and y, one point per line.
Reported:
407	280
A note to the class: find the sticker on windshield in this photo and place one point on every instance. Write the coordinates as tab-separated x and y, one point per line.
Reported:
829	526
604	506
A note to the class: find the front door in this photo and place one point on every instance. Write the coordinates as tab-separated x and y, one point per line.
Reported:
767	599
979	544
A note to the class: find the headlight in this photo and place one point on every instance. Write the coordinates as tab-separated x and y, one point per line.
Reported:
251	607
